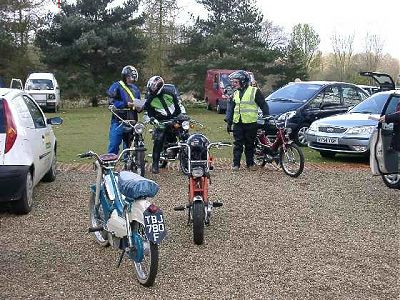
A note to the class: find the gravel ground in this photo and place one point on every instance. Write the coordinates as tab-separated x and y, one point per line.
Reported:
329	234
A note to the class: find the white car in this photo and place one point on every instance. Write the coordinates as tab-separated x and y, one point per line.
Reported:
44	88
28	148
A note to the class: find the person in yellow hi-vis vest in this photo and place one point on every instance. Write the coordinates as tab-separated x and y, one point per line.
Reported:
242	113
122	95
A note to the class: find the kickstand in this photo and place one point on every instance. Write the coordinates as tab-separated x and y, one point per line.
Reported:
120	258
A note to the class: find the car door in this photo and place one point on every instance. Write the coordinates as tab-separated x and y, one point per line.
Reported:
326	103
384	159
40	137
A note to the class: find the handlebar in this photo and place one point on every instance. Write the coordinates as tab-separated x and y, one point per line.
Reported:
113	110
103	159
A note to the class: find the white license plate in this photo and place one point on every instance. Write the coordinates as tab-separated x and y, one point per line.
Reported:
327	140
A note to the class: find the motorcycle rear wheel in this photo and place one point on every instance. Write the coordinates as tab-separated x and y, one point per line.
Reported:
292	160
198	222
146	270
97	219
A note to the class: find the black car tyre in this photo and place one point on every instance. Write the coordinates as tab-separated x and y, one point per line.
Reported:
24	205
300	137
392	180
208	105
327	154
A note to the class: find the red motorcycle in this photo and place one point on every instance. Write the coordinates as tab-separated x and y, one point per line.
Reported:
282	151
199	206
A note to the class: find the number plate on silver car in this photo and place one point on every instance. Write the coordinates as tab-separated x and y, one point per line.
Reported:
327	140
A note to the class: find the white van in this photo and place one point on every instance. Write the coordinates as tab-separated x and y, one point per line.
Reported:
43	87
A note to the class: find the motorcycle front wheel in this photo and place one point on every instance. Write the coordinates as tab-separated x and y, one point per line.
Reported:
146	270
140	163
97	219
198	222
292	160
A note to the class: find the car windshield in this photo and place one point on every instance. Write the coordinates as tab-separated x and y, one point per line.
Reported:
371	105
39	84
295	92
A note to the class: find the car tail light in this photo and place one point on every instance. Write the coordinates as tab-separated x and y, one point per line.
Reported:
11	129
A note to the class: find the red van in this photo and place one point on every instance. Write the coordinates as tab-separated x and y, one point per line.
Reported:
214	85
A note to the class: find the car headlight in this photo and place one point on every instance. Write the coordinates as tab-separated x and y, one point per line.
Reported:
51	96
287	115
186	125
197	172
139	128
313	127
361	130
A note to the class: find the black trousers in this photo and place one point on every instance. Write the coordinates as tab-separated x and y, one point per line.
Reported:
244	135
160	137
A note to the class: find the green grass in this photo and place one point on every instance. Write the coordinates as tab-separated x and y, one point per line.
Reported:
86	129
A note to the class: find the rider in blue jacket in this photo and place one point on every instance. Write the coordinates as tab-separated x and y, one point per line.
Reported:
122	95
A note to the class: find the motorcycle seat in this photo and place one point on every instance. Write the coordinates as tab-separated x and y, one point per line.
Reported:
134	187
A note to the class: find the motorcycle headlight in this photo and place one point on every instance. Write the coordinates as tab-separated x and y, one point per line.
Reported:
287	115
186	125
51	96
197	172
139	128
361	130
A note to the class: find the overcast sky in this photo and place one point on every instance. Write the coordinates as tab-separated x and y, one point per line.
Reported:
343	17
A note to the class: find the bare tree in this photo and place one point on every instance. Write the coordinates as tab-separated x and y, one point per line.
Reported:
161	31
373	52
342	54
272	35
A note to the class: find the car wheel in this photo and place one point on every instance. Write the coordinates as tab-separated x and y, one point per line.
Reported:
327	154
300	138
24	205
50	176
208	105
392	180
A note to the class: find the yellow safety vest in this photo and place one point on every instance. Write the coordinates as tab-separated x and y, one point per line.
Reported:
128	91
245	108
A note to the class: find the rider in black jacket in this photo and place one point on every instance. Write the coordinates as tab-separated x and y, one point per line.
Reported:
161	105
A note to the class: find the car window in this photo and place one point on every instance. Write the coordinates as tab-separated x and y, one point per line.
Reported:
22	111
329	96
39	84
35	112
351	96
295	91
372	105
393	105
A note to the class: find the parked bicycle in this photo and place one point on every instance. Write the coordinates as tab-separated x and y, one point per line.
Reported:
199	206
133	136
282	151
121	216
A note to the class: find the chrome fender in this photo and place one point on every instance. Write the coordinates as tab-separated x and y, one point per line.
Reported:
137	209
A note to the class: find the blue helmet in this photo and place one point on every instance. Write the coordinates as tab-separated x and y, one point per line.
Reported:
242	76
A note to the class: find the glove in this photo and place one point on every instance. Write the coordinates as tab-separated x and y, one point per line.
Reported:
229	128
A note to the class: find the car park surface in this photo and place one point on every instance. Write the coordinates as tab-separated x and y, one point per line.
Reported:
28	148
312	100
293	240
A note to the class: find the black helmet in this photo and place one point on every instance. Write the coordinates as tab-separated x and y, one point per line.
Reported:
155	85
242	76
129	71
198	146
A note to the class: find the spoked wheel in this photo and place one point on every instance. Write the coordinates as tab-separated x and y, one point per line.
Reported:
97	219
198	222
259	159
392	180
140	163
292	160
146	270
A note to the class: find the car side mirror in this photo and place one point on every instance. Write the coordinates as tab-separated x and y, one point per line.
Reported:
55	121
